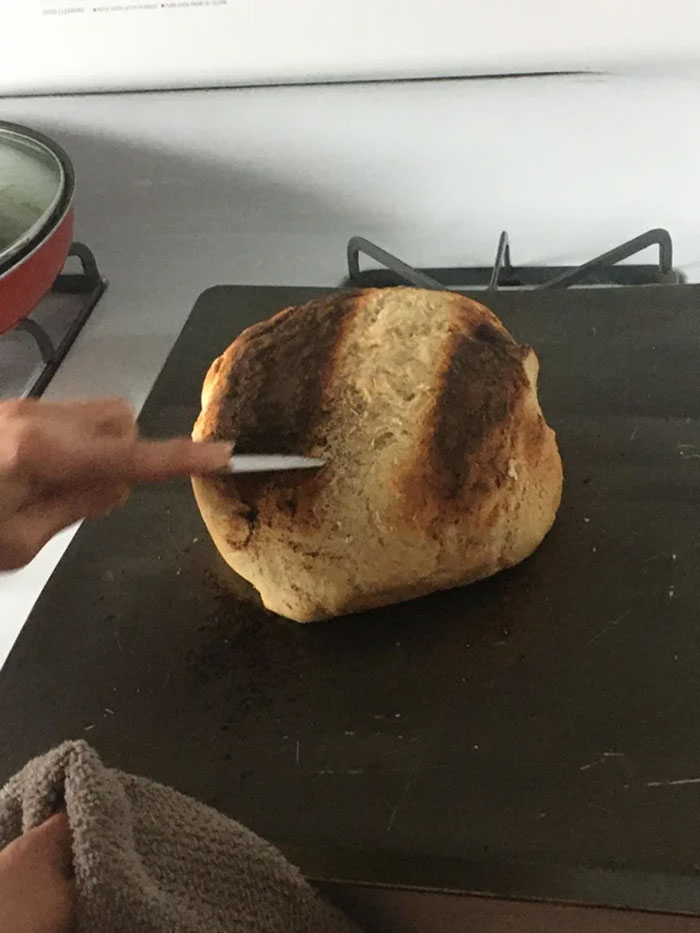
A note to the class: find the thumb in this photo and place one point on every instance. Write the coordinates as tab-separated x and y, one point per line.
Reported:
52	840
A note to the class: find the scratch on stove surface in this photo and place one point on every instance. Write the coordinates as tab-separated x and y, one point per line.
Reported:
609	626
414	769
339	771
685	450
296	754
392	817
600	761
403	796
634	432
671	585
390	753
677	783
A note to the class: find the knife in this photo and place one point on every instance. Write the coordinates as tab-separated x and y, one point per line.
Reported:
267	463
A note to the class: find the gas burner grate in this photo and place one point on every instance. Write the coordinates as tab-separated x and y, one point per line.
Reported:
601	271
53	326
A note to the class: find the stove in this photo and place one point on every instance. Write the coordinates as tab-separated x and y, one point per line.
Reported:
531	737
32	351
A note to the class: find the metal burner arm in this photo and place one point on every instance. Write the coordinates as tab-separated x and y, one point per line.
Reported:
602	270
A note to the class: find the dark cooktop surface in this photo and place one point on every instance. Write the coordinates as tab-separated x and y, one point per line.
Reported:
534	735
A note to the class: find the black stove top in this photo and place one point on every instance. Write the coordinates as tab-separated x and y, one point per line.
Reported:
535	735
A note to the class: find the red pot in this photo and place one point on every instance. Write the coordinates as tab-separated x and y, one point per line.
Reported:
37	184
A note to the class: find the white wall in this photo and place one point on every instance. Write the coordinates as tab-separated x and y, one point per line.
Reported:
75	45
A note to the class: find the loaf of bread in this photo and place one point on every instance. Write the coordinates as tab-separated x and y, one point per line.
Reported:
440	468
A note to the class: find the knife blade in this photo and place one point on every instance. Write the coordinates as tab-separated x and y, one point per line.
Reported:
267	463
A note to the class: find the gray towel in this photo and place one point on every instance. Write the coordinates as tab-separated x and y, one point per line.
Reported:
149	859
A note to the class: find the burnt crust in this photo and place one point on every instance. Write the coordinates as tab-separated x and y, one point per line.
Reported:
482	380
271	388
274	377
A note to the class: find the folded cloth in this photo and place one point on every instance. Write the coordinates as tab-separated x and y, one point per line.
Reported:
149	859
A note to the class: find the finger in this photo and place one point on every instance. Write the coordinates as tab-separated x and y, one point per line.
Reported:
160	460
63	506
83	410
53	839
72	443
121	460
37	892
48	845
23	536
111	417
55	454
119	421
15	493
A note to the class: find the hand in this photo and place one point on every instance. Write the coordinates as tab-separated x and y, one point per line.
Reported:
63	462
36	887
